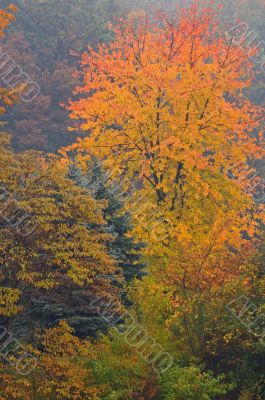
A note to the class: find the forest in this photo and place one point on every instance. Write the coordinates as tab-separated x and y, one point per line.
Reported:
132	193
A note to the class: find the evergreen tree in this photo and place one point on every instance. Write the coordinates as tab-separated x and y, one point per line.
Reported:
123	247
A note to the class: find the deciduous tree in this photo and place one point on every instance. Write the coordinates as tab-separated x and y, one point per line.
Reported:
163	106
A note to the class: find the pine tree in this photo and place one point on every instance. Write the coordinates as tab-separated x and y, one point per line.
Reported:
123	248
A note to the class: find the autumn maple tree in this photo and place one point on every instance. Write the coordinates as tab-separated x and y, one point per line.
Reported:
163	106
159	102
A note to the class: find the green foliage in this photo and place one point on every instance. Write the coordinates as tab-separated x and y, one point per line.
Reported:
191	383
120	369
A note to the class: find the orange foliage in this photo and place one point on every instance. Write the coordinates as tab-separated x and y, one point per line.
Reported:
164	104
6	16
